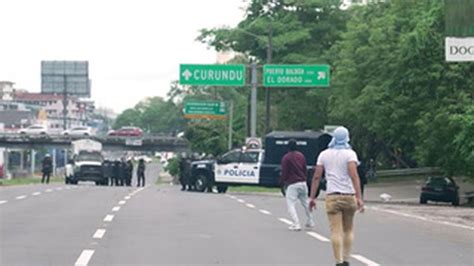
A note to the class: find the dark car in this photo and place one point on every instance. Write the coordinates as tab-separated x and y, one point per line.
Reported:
126	132
440	188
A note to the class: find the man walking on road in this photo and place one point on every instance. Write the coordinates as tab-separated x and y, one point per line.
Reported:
293	179
343	196
47	168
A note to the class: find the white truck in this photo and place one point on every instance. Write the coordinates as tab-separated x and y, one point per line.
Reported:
88	162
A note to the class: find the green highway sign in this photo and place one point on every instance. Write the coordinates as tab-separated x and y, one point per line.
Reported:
205	109
216	75
296	75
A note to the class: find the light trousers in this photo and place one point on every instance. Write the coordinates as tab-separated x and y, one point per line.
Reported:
294	193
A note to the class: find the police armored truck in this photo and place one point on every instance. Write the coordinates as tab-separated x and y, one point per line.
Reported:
258	167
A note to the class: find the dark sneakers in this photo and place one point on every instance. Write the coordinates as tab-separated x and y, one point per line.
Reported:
345	263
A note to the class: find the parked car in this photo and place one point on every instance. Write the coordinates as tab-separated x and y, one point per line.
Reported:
126	132
440	188
34	130
78	131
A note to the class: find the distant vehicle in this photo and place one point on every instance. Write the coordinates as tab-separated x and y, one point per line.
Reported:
78	131
126	132
144	157
88	162
34	130
440	188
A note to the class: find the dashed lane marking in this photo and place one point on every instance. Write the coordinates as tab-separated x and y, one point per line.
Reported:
3	202
265	212
286	221
116	208
99	233
36	193
84	258
48	190
127	197
318	236
241	200
122	202
250	205
59	188
21	197
108	218
365	260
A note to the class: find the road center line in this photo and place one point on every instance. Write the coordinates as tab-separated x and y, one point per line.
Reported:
49	190
286	221
36	193
318	236
59	188
116	208
265	212
127	197
365	260
99	233
3	202
250	205
84	258
21	197
108	218
241	200
122	202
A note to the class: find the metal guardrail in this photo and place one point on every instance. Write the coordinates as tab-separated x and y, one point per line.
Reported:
409	171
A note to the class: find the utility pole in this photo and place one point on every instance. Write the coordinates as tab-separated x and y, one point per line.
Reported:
253	101
231	122
65	102
267	90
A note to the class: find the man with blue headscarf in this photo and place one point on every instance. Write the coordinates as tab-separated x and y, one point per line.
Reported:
343	193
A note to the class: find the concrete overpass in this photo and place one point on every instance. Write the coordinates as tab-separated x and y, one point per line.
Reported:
147	143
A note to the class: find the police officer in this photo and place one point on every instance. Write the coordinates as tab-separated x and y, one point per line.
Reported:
116	175
47	168
129	172
182	172
141	173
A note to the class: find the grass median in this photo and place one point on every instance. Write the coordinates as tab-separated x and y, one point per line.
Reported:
253	189
28	181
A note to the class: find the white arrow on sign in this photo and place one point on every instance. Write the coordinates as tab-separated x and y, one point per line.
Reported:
187	74
321	75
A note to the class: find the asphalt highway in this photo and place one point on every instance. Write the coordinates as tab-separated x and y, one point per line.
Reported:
160	225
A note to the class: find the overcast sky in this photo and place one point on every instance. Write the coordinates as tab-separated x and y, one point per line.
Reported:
134	47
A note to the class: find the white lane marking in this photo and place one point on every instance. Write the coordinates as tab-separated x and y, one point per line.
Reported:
421	218
365	260
318	236
59	188
36	193
233	197
250	205
108	218
3	202
122	202
127	197
286	221
265	212
241	200
21	197
84	258
49	190
116	209
99	233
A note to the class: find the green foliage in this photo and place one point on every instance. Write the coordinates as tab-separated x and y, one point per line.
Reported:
154	115
173	166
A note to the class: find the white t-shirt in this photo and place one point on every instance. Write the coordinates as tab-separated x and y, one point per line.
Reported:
336	168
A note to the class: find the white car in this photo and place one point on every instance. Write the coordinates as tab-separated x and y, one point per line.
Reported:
34	130
78	131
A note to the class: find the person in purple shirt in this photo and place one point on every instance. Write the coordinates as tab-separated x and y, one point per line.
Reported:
293	180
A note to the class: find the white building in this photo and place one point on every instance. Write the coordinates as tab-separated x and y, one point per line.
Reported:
6	90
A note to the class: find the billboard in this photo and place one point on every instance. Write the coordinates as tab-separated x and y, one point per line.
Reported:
60	76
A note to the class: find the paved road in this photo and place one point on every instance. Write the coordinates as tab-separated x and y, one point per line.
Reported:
89	225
